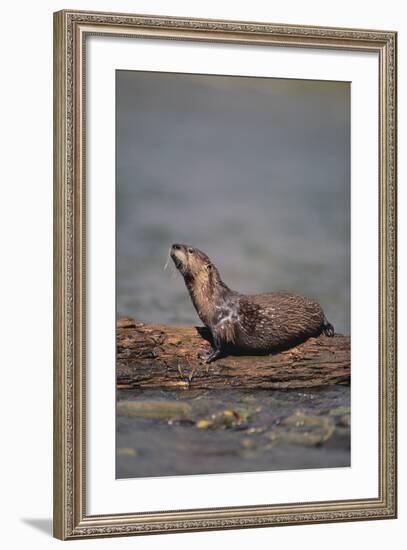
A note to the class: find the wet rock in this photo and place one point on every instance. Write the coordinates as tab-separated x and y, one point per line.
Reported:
161	410
345	421
248	443
249	397
256	430
204	424
340	411
126	452
302	429
228	418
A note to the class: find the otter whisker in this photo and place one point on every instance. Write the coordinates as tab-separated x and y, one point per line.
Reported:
167	263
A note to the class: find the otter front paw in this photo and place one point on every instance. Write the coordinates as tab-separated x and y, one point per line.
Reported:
203	355
210	355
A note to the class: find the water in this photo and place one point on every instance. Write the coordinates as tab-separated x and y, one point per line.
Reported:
157	445
255	172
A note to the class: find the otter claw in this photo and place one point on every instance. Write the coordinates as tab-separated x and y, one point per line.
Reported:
204	355
209	356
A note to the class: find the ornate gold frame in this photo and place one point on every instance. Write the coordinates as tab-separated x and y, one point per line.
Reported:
70	31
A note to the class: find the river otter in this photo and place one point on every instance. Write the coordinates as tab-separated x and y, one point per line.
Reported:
257	323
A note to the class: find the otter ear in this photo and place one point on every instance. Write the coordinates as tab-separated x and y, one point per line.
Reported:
209	266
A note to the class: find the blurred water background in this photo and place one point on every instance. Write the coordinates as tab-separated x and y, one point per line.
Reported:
256	173
253	171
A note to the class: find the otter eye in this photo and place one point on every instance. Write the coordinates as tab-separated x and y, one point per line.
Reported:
209	266
190	250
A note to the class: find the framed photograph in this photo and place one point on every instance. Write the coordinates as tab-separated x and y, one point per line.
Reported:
225	274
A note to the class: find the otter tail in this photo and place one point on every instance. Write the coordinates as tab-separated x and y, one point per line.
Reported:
327	328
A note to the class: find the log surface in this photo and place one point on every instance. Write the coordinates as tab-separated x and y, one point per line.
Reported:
165	357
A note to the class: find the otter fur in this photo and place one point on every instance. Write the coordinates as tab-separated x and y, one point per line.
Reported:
239	323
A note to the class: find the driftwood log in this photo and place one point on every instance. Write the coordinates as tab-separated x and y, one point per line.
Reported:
165	357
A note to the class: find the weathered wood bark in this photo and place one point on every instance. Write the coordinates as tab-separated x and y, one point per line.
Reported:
162	356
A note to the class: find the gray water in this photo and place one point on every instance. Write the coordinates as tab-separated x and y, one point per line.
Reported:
255	172
278	430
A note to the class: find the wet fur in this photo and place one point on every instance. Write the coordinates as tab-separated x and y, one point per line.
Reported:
257	323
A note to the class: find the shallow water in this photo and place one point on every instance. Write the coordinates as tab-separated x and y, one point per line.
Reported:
177	433
255	172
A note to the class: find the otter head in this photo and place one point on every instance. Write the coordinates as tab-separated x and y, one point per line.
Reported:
202	279
191	262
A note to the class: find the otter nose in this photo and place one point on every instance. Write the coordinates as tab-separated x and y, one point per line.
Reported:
176	246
